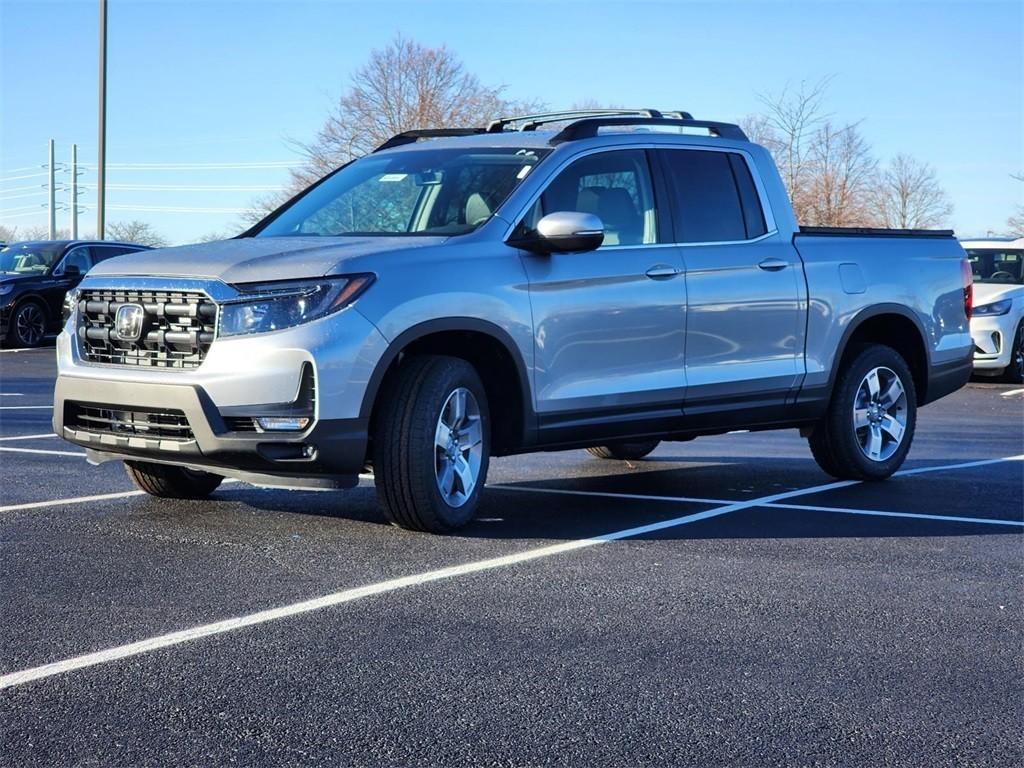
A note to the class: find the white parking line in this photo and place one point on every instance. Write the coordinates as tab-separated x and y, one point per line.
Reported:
337	598
72	500
348	595
23	407
8	449
28	437
11	394
911	515
1012	392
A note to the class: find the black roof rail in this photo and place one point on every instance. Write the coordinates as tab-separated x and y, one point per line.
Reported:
588	127
411	137
531	122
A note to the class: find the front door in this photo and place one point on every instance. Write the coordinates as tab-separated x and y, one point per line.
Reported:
609	325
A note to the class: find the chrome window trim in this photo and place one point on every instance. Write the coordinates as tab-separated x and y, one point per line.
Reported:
762	194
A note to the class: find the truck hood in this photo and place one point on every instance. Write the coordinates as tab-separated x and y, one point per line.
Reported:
986	293
257	259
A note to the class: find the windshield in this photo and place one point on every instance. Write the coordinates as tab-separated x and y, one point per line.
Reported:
29	258
420	192
991	265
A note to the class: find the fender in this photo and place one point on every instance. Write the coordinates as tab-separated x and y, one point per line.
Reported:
429	327
866	314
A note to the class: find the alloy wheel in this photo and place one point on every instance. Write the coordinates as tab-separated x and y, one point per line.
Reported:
31	325
458	447
880	414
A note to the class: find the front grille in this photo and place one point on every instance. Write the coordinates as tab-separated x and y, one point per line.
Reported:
240	424
128	422
178	327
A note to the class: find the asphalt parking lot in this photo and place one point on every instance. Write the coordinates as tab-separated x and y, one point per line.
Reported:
722	603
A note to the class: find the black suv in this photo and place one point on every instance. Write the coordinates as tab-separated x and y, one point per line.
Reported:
34	276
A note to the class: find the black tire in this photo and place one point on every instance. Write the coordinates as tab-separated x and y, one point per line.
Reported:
28	325
169	482
835	442
407	464
1014	372
625	450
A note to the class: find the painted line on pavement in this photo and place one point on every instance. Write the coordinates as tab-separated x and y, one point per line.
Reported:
1012	392
8	449
28	437
345	596
24	407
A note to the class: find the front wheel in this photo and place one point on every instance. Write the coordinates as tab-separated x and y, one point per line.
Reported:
170	482
1014	372
431	444
28	326
867	430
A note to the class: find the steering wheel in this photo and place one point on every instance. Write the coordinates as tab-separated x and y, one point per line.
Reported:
1001	275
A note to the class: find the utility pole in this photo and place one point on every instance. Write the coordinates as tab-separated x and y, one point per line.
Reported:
74	191
51	206
101	159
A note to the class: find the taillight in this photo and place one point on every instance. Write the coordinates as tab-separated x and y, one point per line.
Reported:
968	276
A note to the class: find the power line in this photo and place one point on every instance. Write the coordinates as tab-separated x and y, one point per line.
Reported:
169	208
26	176
192	166
18	197
188	188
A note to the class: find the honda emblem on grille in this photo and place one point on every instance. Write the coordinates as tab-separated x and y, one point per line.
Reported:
128	322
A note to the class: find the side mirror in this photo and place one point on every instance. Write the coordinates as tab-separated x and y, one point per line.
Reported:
71	270
564	232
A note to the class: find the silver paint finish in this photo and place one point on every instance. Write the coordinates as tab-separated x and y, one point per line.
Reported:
880	414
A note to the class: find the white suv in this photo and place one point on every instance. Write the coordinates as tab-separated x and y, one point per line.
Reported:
997	325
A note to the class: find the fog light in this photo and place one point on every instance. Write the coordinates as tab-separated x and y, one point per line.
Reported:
282	423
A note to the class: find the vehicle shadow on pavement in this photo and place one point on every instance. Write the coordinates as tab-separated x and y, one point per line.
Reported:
521	510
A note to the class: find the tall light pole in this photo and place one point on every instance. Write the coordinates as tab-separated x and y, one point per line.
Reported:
74	191
51	205
101	157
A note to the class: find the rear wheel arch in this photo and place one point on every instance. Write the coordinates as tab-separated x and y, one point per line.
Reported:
494	355
894	326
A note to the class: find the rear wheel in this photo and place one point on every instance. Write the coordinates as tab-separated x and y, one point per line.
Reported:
432	444
171	482
624	450
868	428
1014	372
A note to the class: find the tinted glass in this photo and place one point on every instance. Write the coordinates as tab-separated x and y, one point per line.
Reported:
753	216
29	258
614	185
418	192
104	252
78	257
706	202
990	265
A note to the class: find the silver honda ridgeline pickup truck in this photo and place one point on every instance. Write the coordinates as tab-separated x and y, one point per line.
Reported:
631	277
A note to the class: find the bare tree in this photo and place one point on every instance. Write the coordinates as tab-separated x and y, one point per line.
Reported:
1015	224
136	231
211	237
8	234
838	174
402	87
789	128
907	195
41	232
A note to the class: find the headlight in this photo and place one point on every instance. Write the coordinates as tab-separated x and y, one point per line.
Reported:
278	305
6	288
69	306
995	308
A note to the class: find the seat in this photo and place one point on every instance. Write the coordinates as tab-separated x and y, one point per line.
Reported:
614	206
477	209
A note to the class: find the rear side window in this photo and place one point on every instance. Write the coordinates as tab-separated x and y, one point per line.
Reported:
753	216
709	202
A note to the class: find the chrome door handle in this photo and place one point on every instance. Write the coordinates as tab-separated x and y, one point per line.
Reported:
662	272
773	265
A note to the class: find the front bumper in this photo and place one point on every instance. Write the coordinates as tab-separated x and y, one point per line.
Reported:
993	340
259	375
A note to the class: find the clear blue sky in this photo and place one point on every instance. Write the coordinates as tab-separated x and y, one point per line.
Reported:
230	82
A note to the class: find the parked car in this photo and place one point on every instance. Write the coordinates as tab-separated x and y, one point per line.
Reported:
34	278
997	325
487	292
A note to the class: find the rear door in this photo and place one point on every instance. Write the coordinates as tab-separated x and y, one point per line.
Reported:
609	324
744	284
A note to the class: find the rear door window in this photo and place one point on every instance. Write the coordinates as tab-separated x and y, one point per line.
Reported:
710	204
